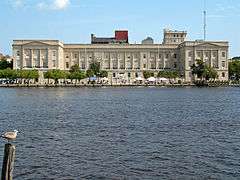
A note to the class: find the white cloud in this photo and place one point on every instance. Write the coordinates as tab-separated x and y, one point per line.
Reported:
17	3
43	4
60	4
53	4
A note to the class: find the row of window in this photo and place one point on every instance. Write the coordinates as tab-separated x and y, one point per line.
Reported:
107	56
206	54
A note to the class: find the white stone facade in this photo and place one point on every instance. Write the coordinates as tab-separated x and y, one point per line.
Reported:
122	60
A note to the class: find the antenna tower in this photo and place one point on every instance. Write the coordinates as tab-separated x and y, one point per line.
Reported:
205	21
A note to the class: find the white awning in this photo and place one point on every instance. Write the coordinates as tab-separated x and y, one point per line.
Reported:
151	79
139	79
162	79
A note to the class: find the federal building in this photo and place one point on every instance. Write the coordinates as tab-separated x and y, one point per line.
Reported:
122	59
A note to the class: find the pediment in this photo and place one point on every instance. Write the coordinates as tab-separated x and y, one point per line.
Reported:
207	44
37	43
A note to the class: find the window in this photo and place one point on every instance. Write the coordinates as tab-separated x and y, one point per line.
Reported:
190	53
144	56
166	56
18	53
160	56
136	75
144	65
54	53
67	65
114	75
223	63
67	56
214	54
129	75
199	54
54	63
223	74
175	65
223	54
75	56
175	56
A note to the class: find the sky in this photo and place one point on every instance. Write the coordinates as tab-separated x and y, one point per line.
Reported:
73	21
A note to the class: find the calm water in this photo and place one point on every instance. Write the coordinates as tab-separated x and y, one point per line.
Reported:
123	133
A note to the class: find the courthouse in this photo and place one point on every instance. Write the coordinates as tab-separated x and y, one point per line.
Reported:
122	59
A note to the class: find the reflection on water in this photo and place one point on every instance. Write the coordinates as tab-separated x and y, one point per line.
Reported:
117	133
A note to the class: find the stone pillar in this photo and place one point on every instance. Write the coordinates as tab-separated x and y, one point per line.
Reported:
49	60
132	56
23	64
79	61
31	56
111	64
40	58
125	60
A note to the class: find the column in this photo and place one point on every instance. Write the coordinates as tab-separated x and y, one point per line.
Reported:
23	64
132	56
125	60
31	55
79	61
111	64
40	58
48	58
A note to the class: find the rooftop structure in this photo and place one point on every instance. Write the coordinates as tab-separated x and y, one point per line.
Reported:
120	37
174	37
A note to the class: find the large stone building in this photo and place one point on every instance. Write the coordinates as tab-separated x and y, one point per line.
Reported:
124	60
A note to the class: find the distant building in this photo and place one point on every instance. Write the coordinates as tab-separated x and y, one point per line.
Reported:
174	37
120	37
148	40
123	60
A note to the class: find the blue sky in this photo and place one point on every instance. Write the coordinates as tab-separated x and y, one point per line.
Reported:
72	21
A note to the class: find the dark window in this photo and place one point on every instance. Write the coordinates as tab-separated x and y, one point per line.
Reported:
144	56
223	74
223	54
67	65
175	55
144	65
114	75
175	65
136	74
129	75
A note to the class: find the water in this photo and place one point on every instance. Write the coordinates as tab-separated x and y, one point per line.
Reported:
123	133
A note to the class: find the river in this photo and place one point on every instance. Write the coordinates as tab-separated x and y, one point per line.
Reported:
123	133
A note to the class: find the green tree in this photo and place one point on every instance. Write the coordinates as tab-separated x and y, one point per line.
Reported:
203	71
148	74
79	75
4	64
90	73
47	75
74	68
234	70
209	73
198	69
168	74
103	74
95	68
55	74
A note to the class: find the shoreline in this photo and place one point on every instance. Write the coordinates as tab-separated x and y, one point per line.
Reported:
100	85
